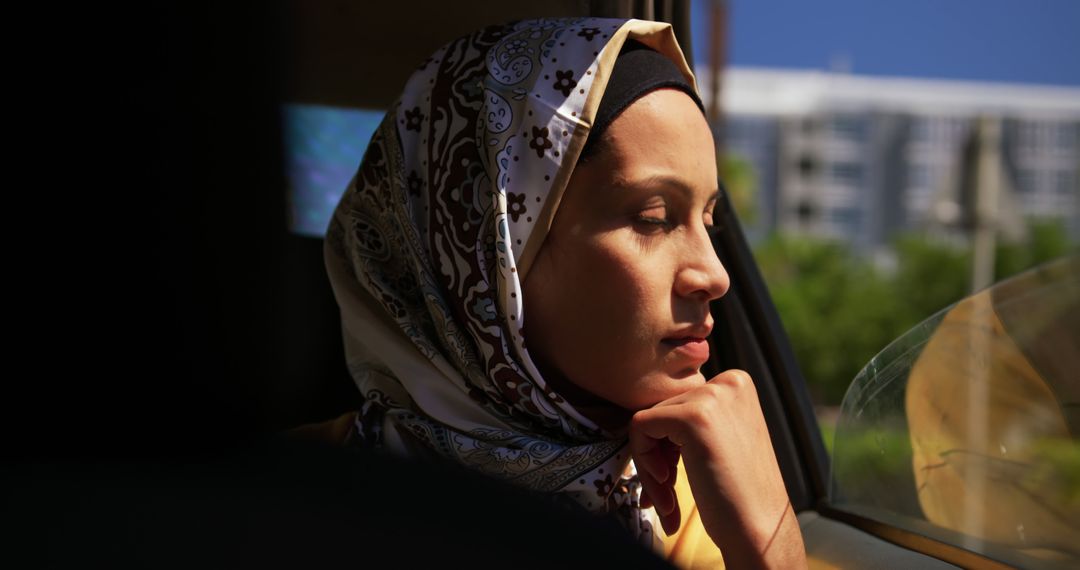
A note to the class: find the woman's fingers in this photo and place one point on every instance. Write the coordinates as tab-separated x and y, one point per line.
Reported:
646	502
662	497
656	460
661	493
673	453
719	431
649	455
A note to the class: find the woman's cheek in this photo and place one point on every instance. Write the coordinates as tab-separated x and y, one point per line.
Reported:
628	300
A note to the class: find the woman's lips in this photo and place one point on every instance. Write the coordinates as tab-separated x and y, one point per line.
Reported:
692	349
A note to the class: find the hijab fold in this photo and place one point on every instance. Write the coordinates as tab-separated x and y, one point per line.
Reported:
430	244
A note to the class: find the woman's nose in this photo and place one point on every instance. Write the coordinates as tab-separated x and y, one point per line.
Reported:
701	273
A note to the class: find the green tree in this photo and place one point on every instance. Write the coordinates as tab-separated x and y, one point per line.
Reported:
740	181
930	276
839	310
1047	240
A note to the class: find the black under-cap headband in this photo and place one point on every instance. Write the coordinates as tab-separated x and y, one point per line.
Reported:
638	70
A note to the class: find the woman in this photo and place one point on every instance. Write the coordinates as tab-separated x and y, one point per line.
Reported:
524	269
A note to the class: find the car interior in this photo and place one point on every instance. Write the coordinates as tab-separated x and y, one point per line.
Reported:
233	336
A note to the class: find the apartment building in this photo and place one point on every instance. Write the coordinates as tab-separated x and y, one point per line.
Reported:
861	158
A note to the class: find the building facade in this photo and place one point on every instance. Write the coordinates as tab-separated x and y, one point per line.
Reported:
860	158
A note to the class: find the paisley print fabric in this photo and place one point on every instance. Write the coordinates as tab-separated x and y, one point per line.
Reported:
431	242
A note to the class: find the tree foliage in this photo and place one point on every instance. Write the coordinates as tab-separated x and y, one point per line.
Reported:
840	309
740	183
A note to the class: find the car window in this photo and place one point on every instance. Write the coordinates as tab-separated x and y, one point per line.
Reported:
323	147
965	428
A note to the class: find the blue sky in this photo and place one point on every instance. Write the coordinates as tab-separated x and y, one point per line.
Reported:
1017	41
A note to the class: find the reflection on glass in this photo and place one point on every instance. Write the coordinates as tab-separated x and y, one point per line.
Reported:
965	429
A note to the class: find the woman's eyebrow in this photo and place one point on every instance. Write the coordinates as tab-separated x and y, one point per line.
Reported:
664	181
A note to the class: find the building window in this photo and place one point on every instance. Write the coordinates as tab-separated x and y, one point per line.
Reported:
919	176
846	220
805	211
1065	182
846	173
1026	180
920	130
1066	135
958	129
807	166
848	127
1029	134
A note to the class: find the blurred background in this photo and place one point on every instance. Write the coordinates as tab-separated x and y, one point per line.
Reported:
885	159
888	159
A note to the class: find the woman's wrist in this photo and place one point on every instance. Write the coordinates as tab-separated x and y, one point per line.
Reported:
773	542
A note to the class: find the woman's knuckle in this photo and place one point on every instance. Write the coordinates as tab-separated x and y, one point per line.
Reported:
738	379
700	413
716	391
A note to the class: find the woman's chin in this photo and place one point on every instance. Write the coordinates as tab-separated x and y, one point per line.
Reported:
669	386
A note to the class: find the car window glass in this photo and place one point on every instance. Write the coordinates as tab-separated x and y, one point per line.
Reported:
965	428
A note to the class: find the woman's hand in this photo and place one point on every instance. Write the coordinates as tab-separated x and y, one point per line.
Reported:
719	431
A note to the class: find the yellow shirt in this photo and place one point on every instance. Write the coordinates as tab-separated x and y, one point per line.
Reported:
690	547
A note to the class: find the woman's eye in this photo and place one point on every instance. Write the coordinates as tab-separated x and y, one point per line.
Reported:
653	221
654	216
710	225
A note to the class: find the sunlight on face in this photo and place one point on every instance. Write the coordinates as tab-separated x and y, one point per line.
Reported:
617	301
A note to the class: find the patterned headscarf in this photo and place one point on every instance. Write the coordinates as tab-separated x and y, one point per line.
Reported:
431	242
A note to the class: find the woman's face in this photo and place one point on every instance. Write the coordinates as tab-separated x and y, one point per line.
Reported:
617	300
